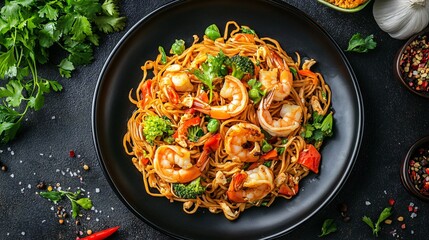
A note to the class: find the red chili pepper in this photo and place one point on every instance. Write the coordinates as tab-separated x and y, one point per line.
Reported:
310	158
101	234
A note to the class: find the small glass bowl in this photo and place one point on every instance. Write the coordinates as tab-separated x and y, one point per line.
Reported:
398	68
348	10
405	168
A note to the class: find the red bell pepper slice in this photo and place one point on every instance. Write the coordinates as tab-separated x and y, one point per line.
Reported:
146	92
307	73
212	143
270	155
310	158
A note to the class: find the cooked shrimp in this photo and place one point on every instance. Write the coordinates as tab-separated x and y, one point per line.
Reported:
173	164
251	185
173	80
282	127
233	90
272	79
241	142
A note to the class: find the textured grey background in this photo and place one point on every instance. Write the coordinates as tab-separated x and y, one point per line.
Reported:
394	119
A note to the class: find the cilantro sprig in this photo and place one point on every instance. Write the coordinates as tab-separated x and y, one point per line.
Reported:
212	68
360	44
76	201
376	227
28	31
328	227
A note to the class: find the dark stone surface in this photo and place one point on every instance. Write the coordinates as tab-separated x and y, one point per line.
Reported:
394	119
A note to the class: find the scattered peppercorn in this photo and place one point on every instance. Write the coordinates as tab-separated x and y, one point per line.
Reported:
72	154
77	222
41	185
85	167
343	208
3	168
417	170
391	202
414	62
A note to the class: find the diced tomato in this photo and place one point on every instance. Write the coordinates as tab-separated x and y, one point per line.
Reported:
310	158
144	161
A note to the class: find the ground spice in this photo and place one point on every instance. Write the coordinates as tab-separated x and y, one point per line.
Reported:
347	3
414	64
418	170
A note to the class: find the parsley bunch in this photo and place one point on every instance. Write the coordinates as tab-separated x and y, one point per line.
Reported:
28	30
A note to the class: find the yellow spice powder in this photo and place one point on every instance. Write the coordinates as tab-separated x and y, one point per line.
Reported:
347	3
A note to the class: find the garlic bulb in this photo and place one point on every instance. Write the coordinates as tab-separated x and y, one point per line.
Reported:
401	18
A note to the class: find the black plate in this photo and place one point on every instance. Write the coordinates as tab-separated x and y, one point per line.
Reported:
180	20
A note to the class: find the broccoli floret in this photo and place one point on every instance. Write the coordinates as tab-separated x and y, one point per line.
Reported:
194	133
190	190
241	66
154	126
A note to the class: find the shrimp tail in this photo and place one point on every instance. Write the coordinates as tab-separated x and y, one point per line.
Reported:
235	193
201	106
267	100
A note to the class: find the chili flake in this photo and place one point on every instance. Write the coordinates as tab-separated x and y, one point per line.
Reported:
414	62
417	169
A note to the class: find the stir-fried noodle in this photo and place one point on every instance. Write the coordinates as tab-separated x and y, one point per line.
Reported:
241	142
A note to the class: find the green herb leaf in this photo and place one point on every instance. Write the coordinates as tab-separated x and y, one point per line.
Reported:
247	30
66	67
75	209
386	213
85	203
212	68
328	227
359	44
163	55
54	196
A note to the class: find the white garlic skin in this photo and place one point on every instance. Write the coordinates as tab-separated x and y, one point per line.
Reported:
401	18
